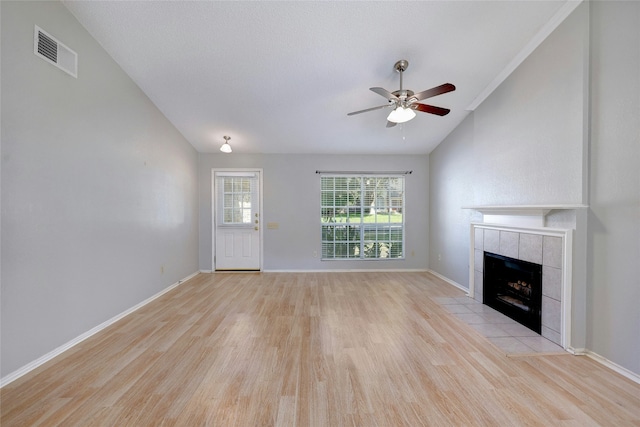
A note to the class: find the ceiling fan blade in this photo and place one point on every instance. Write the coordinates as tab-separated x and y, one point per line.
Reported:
439	111
390	124
368	109
438	90
385	93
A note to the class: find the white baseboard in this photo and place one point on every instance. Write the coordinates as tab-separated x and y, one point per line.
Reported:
612	365
577	351
352	270
605	362
229	271
449	281
66	346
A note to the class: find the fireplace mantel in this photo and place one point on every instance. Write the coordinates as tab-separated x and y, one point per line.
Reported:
523	215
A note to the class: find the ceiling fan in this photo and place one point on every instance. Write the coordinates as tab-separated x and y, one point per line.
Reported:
405	101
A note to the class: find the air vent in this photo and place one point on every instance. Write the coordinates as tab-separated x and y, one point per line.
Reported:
54	52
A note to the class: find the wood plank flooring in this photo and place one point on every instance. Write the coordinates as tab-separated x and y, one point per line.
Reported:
312	349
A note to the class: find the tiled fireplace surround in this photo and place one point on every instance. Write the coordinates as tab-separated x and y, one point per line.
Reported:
544	246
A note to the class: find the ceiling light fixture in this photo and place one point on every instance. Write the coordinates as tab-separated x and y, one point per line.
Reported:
401	115
226	148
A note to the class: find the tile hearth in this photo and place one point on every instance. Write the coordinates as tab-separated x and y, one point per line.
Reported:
505	333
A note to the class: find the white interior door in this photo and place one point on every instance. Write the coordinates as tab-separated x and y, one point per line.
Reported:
237	220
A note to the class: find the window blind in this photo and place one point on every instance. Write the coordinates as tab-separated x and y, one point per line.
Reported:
362	216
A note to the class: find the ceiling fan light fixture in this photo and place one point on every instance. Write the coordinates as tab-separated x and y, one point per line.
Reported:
226	148
401	115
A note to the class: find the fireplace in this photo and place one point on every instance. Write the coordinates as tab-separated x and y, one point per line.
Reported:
514	288
546	246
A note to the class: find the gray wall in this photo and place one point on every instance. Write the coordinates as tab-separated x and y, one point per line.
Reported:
530	134
452	171
292	199
523	145
572	111
614	220
99	190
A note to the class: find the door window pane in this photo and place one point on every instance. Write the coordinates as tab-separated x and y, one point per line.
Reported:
236	200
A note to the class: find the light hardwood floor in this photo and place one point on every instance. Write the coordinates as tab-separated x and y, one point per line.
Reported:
312	349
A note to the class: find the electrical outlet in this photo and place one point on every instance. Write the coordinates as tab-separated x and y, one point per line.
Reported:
162	269
439	257
315	254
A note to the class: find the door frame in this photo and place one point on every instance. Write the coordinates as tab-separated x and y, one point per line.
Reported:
262	224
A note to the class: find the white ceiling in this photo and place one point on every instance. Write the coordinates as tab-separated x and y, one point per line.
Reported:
280	77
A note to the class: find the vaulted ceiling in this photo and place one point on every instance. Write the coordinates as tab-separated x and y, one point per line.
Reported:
280	77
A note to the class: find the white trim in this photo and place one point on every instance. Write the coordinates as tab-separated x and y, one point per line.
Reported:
567	286
519	215
213	219
563	12
235	173
449	281
353	270
77	340
472	258
613	366
544	231
525	209
577	351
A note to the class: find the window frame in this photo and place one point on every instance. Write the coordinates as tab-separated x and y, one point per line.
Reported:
363	244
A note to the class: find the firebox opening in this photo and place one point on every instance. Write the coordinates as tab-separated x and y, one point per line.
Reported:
514	288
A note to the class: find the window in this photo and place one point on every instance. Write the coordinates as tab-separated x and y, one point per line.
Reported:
362	217
235	196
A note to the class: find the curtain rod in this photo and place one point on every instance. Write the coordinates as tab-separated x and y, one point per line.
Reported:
365	172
